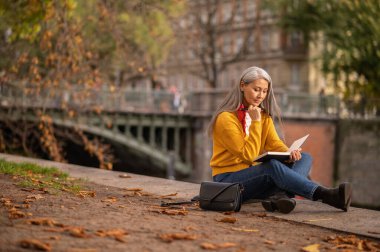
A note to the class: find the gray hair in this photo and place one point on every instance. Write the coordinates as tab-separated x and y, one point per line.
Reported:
234	98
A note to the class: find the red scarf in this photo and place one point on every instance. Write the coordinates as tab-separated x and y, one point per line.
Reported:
241	112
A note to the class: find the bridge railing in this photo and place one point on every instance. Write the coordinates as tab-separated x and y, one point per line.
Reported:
191	102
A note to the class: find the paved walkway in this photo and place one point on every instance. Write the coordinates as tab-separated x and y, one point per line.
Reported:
356	221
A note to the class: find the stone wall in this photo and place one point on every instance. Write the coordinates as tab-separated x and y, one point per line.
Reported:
359	159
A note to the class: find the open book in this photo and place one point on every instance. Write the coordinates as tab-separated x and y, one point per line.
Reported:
281	156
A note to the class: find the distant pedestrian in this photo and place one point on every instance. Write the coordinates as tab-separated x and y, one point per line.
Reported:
322	101
242	128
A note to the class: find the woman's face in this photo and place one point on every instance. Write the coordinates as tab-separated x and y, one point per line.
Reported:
254	92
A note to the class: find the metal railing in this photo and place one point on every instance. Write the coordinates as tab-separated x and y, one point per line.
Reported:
191	102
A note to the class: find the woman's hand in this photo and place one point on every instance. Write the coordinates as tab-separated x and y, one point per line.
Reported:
254	113
295	155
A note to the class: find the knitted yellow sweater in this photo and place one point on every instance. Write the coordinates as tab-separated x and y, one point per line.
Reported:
233	151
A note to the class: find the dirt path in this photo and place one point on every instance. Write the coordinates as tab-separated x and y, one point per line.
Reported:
114	219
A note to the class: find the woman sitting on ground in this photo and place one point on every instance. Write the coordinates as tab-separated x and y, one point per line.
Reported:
242	128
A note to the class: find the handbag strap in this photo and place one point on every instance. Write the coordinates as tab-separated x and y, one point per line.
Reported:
221	191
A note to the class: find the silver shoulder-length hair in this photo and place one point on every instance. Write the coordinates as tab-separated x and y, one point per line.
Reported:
234	98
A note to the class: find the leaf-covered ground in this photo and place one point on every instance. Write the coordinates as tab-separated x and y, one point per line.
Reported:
99	218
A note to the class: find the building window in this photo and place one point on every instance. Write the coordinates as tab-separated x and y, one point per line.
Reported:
239	14
251	43
265	40
295	81
238	42
251	9
227	10
275	40
295	39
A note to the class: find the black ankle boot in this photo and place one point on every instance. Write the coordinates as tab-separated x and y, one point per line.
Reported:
339	197
279	201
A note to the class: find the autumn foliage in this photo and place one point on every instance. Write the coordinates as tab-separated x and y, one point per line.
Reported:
59	55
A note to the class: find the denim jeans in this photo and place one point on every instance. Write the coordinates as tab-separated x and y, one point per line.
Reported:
263	180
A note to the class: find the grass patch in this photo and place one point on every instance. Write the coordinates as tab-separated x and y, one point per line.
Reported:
38	177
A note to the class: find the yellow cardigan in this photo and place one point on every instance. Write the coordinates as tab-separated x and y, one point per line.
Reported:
233	151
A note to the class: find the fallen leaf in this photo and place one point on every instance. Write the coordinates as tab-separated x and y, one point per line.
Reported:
189	228
214	246
7	202
245	230
167	196
35	197
86	193
35	244
352	242
344	246
133	189
109	199
44	222
227	220
76	232
124	176
269	242
170	211
56	238
54	230
143	193
311	248
259	214
177	236
27	189
117	234
13	213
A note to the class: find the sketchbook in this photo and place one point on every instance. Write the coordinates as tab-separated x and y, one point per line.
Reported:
281	156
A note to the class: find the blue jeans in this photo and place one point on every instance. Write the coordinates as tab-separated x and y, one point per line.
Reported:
263	180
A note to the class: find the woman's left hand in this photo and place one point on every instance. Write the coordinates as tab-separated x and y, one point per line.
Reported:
295	155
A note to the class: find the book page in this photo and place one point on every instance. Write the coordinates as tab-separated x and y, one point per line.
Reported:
297	144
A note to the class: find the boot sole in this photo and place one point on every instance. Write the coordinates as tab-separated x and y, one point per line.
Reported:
268	205
285	205
282	205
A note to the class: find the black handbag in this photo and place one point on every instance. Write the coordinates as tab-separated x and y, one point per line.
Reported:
220	196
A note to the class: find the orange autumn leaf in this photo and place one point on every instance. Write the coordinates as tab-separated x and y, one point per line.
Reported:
168	195
214	246
269	242
117	234
352	242
227	220
109	199
77	232
35	244
7	202
133	189
311	248
177	236
13	213
44	222
245	230
34	197
170	211
86	193
190	228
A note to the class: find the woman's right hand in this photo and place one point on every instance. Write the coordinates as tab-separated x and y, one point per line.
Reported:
254	113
